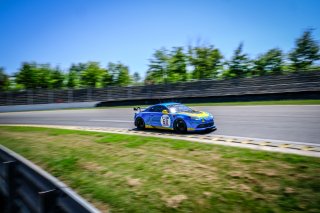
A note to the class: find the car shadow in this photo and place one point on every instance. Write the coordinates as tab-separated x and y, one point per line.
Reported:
174	133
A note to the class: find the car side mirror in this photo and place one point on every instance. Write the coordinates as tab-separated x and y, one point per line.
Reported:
165	111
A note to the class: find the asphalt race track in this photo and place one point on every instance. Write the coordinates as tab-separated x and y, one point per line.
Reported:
289	123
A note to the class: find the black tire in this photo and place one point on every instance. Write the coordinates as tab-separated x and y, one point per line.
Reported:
140	123
180	126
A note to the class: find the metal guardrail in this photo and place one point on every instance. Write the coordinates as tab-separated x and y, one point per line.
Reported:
292	83
24	187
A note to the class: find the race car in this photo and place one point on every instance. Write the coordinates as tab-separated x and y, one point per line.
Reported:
173	116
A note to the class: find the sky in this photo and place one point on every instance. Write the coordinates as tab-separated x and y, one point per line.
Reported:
61	32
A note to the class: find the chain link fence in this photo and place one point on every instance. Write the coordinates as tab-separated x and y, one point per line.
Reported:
293	83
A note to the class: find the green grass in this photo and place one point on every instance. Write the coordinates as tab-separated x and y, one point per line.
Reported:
125	173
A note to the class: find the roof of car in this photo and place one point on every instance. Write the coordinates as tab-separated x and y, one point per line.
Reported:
168	104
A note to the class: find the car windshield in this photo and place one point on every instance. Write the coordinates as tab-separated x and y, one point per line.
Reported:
179	108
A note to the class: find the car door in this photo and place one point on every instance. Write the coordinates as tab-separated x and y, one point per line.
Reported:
149	113
159	119
154	120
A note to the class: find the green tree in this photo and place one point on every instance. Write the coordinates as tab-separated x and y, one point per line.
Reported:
4	80
72	79
92	75
123	75
239	65
136	77
158	67
269	63
43	76
56	79
177	65
117	74
33	76
107	79
26	75
74	75
305	53
206	62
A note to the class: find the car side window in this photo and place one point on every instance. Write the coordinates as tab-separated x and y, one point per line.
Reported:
151	109
160	108
157	109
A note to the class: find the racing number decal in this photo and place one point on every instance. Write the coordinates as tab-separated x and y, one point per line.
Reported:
165	120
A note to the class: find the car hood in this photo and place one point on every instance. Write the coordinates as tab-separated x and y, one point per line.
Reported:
198	114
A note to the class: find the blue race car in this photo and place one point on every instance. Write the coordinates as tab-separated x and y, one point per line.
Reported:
173	116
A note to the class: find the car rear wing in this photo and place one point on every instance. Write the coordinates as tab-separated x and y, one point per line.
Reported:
138	109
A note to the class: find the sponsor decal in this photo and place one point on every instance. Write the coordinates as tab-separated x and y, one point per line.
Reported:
165	121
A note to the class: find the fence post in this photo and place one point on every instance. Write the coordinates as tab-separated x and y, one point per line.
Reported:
9	98
30	96
107	91
149	91
129	92
50	96
70	95
89	94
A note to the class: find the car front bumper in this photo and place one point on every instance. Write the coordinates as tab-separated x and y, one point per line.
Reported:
201	126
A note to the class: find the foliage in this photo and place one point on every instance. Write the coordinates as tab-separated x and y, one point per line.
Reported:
92	74
73	76
268	63
158	67
205	61
169	66
34	76
239	65
305	53
124	78
177	65
118	74
136	77
4	80
56	79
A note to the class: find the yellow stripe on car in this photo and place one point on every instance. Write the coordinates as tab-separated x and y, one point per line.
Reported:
200	115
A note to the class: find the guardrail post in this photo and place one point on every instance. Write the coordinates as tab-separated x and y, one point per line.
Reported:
48	200
19	177
9	167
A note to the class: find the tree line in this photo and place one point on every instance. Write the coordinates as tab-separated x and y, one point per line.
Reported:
169	66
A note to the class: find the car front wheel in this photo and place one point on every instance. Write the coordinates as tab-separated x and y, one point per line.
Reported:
180	126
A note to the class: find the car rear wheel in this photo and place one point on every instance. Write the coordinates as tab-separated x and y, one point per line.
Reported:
180	126
140	123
